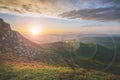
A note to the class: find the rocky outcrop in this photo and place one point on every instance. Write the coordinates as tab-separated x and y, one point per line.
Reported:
12	41
7	37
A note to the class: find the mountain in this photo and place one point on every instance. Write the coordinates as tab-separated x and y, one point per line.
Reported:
86	53
22	49
10	39
13	41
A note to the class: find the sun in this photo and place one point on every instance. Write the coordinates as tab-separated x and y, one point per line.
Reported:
35	30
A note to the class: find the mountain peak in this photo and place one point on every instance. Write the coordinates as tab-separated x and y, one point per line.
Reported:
13	41
1	20
4	26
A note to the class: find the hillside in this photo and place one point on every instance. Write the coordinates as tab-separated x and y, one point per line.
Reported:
99	54
58	53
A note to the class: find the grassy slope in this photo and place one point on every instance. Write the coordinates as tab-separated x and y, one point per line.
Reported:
52	73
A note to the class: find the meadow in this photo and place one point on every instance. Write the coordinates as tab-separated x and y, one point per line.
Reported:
28	72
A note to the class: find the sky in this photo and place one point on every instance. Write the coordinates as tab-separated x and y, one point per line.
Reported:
62	16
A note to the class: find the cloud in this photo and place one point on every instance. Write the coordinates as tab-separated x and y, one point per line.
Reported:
48	7
71	9
105	14
111	2
104	10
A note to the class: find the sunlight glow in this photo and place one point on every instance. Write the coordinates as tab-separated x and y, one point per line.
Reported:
35	30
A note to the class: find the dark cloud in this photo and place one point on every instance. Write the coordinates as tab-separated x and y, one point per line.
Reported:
105	14
27	7
4	7
18	10
112	2
95	25
105	10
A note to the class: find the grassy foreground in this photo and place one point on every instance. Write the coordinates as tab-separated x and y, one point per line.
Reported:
52	73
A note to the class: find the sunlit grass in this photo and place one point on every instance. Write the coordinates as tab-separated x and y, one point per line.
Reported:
51	73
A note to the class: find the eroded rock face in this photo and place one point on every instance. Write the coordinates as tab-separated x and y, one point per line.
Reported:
6	36
12	41
4	26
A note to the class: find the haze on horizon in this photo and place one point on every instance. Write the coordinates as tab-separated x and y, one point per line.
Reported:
62	16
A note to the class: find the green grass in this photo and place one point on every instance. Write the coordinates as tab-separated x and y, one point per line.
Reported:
53	73
30	74
60	73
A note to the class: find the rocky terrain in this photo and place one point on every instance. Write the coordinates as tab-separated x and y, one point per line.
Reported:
12	41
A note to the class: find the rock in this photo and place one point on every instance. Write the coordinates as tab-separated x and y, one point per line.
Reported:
7	37
13	41
4	26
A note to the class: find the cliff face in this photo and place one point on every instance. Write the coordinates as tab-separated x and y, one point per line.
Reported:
8	38
12	41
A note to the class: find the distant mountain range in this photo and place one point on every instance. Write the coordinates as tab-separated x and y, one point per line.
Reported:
51	38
